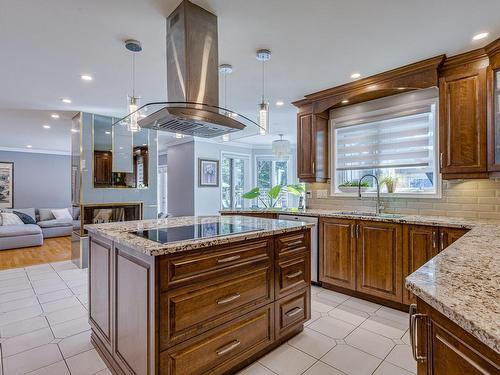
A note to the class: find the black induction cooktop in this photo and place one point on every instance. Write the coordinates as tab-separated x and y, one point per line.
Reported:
193	232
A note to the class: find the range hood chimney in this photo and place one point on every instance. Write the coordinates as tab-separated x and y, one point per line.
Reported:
193	81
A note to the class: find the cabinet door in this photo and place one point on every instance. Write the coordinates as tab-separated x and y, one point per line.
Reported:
337	252
420	243
379	260
306	146
463	121
102	168
449	235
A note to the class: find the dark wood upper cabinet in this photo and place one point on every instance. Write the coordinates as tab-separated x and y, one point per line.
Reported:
420	243
312	147
379	260
338	252
493	105
103	168
462	120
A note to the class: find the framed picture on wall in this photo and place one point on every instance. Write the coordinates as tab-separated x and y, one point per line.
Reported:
208	173
6	184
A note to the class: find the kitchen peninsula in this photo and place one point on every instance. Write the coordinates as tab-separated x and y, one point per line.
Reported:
196	295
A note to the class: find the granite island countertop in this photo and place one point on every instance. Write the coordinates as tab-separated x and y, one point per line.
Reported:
121	232
462	282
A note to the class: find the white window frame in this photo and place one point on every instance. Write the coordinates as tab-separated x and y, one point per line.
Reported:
395	109
248	175
273	158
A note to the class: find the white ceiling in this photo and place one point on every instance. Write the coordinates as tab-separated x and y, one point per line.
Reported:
316	44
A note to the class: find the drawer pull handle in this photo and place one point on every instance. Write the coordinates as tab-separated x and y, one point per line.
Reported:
228	299
414	317
294	243
294	312
229	347
293	275
228	259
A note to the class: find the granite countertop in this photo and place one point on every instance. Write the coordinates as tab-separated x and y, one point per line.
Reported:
462	282
120	232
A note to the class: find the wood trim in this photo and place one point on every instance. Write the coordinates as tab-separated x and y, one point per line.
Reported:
140	263
465	58
493	49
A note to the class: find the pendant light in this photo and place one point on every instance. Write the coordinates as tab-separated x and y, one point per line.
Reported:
133	46
263	55
225	70
281	147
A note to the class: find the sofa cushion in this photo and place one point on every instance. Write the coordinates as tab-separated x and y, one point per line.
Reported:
26	219
55	223
9	218
27	211
45	214
19	230
62	214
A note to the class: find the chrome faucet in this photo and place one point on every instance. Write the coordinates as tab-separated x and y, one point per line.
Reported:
378	209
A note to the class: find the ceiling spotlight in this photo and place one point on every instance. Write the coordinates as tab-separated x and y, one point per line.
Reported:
480	36
66	100
74	130
345	101
355	75
29	146
54	115
46	126
280	102
144	144
86	77
107	132
178	135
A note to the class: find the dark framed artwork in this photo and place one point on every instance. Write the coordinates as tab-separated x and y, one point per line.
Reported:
208	173
6	184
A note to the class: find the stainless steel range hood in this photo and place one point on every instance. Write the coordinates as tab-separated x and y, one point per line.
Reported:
192	82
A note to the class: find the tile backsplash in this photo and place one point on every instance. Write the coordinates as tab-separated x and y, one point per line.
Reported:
471	199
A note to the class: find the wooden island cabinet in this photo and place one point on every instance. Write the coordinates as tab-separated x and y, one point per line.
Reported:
194	312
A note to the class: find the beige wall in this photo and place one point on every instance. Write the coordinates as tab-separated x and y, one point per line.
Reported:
472	199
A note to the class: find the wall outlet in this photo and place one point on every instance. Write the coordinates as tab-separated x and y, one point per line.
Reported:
309	194
322	194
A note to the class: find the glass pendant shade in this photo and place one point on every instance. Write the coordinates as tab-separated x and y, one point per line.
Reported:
133	106
264	118
281	148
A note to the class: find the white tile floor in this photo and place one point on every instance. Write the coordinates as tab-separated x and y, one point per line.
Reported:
44	330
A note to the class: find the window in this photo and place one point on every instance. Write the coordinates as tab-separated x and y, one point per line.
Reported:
271	172
235	180
397	142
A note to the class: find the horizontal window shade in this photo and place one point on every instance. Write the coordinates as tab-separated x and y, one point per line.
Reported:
403	141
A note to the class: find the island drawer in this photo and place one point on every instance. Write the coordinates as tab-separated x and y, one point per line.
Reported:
186	269
292	273
188	311
292	243
223	348
292	311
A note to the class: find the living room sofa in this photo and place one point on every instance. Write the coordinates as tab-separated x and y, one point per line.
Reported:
27	235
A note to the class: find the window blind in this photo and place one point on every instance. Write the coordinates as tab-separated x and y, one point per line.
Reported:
395	142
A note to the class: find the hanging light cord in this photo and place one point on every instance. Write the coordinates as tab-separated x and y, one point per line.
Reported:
263	87
225	90
133	74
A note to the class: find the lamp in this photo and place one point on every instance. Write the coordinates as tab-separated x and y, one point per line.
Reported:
226	70
263	55
133	46
281	147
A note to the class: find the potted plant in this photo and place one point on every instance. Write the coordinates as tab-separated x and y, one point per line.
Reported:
390	182
352	186
273	194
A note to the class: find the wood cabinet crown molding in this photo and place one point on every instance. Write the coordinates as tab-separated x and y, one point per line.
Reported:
493	48
418	75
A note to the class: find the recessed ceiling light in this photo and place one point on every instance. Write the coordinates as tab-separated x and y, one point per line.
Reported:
401	88
144	144
54	115
480	36
345	101
355	75
46	126
178	135
86	77
74	130
66	100
29	146
280	102
107	132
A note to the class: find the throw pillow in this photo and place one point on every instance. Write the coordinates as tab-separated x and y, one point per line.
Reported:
62	214
26	219
45	214
9	218
1	220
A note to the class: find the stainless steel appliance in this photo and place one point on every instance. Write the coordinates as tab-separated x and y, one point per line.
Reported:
314	242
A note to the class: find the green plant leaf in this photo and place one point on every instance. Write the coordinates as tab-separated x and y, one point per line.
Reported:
295	189
252	194
274	192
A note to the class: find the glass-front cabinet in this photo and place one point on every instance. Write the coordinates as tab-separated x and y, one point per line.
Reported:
493	78
496	114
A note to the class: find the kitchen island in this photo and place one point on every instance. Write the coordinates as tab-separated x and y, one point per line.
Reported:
196	295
